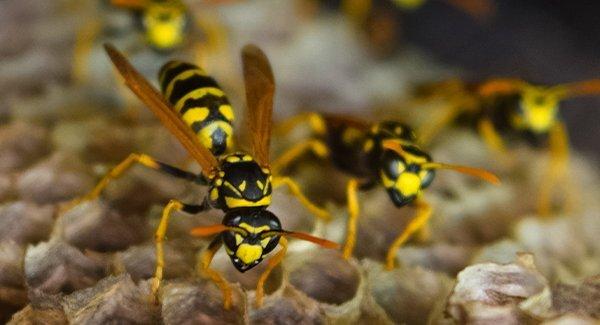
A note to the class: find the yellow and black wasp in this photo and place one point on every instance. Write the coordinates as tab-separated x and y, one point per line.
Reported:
383	153
238	183
511	107
164	23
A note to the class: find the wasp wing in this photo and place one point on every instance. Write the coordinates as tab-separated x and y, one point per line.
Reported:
260	88
167	116
501	86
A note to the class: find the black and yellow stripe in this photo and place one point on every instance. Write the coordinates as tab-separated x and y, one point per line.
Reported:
201	102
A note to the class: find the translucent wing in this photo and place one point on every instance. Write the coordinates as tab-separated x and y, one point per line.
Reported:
167	116
260	88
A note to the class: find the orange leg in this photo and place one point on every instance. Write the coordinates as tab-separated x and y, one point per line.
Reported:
216	277
418	222
557	170
273	262
353	212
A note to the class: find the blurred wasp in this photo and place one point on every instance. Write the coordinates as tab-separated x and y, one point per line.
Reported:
166	26
383	153
239	184
514	107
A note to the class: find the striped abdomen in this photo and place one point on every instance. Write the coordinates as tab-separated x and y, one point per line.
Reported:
201	102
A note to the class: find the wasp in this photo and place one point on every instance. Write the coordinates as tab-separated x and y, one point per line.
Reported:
165	26
511	107
238	183
383	154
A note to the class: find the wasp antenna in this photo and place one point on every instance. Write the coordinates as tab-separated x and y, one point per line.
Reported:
472	171
208	230
394	145
583	88
316	240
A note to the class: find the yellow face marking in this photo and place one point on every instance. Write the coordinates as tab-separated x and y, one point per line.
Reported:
214	194
242	186
387	182
238	239
401	167
254	230
227	111
398	130
264	242
232	159
182	76
249	253
408	184
266	171
196	114
414	159
351	135
233	202
260	185
164	35
197	93
229	251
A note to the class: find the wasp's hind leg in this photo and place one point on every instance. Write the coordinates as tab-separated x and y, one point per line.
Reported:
123	166
273	262
306	202
161	231
204	267
418	222
353	212
556	172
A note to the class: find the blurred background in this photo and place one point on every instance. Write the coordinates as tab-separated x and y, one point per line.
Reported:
323	56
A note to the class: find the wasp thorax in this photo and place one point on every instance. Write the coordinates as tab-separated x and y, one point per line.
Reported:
240	183
404	177
253	235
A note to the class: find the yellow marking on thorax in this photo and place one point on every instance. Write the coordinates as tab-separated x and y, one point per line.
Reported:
232	159
249	253
317	124
254	230
409	4
233	202
242	186
260	184
368	146
183	76
214	194
197	93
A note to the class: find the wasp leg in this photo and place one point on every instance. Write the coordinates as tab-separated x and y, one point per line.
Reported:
215	276
353	211
83	47
313	120
287	158
429	131
161	231
273	262
557	170
295	190
490	136
123	166
422	216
